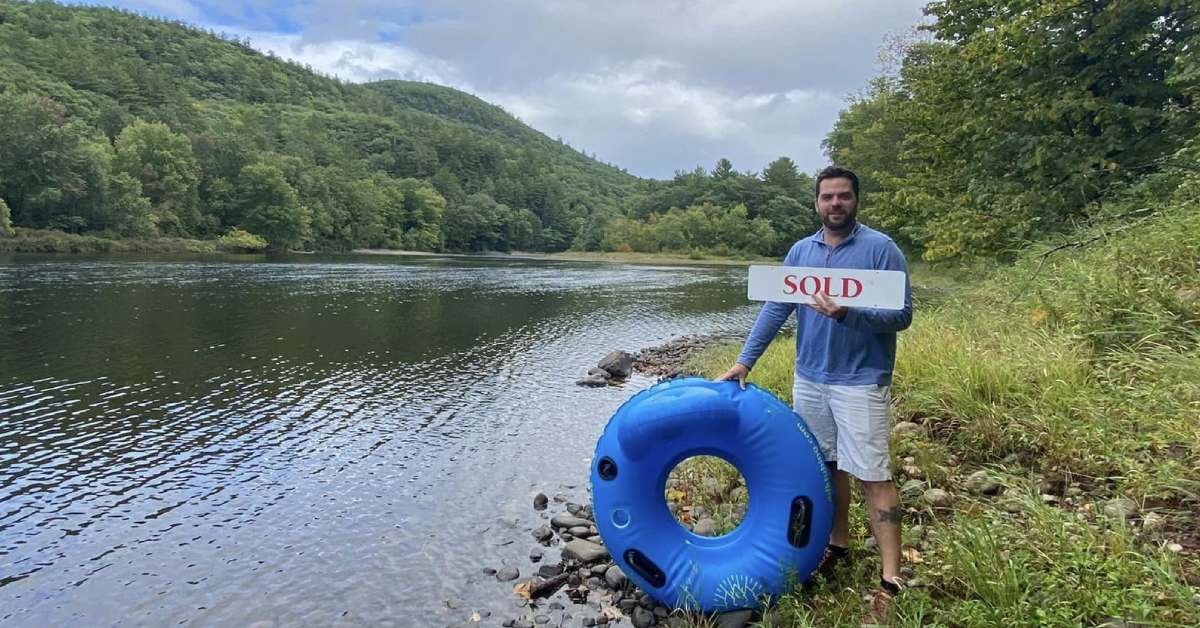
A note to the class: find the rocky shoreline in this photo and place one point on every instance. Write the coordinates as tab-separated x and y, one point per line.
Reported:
663	361
583	587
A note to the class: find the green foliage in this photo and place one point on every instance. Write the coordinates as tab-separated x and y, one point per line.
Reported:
163	163
704	227
188	111
725	212
50	163
128	212
103	109
1082	364
6	227
1020	118
1141	290
271	207
238	241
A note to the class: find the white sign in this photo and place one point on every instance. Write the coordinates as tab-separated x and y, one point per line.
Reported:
882	289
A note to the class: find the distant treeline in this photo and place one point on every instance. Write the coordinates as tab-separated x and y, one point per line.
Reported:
124	126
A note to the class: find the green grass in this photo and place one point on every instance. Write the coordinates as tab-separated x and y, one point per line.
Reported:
1079	377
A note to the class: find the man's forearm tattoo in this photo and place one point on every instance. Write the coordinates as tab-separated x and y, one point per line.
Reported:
891	515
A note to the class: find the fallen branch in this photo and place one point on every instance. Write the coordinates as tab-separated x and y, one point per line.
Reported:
1080	244
540	587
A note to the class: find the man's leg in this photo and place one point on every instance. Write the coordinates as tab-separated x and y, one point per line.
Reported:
841	511
883	504
811	402
861	414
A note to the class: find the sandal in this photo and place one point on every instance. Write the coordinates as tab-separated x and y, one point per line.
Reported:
834	556
893	587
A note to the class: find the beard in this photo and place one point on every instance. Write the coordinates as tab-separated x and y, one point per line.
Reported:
840	222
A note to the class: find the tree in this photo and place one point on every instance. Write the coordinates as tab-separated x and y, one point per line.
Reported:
45	162
6	228
723	170
128	212
473	225
270	206
783	177
1019	119
163	163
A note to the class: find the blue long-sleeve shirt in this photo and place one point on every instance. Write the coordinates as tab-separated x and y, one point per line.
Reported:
861	348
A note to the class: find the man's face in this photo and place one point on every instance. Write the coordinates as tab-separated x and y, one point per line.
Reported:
837	206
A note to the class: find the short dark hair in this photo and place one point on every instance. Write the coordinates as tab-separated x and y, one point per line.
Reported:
836	172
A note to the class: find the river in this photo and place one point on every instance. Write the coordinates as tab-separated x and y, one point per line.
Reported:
305	440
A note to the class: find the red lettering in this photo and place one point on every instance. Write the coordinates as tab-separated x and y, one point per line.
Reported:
848	283
816	286
790	282
829	287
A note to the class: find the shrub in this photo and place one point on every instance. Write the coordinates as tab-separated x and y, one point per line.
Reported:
239	241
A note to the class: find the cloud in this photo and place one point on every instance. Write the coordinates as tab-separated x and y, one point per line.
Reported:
651	86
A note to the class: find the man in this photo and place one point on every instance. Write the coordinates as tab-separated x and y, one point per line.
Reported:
844	361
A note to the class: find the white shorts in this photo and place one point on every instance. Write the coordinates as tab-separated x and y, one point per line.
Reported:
850	423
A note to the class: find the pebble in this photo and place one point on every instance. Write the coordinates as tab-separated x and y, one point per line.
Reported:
508	573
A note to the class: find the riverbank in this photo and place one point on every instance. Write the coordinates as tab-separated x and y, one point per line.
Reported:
589	256
570	578
1046	444
50	241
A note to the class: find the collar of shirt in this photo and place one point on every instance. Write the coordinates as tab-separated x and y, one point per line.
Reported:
819	236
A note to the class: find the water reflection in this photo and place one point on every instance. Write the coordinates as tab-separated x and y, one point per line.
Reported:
307	440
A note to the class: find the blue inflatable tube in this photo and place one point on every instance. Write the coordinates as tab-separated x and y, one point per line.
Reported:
783	535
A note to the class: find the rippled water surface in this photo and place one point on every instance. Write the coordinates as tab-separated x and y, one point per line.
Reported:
305	441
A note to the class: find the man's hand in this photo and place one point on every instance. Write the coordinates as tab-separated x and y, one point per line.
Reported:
739	372
826	306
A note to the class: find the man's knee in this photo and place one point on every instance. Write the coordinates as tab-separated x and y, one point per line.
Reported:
878	487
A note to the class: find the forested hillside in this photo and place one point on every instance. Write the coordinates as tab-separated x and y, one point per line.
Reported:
116	123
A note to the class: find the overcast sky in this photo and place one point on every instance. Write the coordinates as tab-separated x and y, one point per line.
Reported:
653	86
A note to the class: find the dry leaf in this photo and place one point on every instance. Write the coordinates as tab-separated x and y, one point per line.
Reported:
912	555
612	612
476	617
524	589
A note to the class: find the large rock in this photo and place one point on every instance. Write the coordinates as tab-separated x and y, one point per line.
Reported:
982	483
619	364
937	497
615	578
1121	508
584	551
563	520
